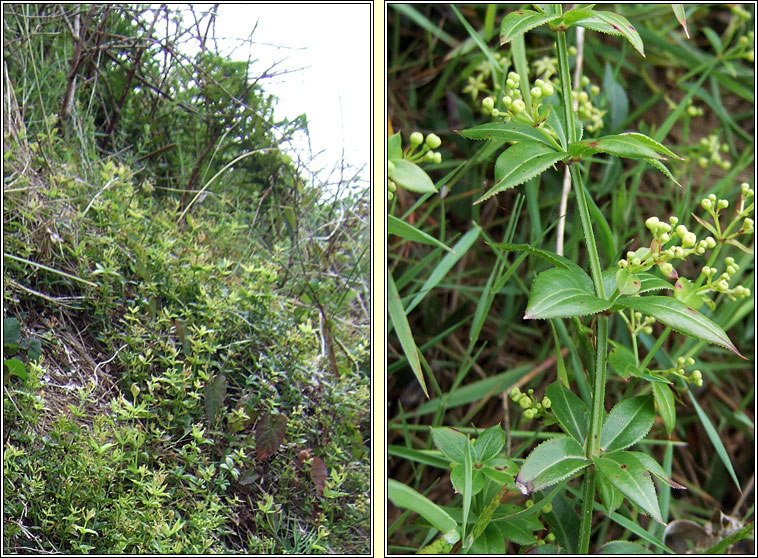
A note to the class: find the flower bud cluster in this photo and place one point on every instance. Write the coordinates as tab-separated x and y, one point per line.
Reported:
710	150
720	282
586	110
532	407
427	153
692	110
695	377
663	233
645	326
513	100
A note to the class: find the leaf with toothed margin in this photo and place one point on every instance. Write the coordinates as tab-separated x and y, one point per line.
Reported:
679	317
519	163
625	472
661	167
563	293
609	22
630	145
521	21
550	463
655	469
627	423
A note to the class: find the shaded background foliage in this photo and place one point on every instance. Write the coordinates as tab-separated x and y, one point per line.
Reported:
432	65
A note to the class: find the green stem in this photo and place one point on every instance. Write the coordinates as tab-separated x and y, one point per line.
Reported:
598	388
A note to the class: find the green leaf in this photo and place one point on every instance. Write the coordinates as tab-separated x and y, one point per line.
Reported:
450	442
609	494
507	131
715	439
627	423
519	163
648	282
625	548
500	469
622	360
664	400
655	468
16	368
403	330
400	228
570	410
446	264
549	463
661	167
550	257
468	486
215	392
681	17
562	293
609	22
618	102
411	177
630	145
458	479
563	521
571	17
685	291
394	147
11	331
407	498
521	21
624	471
489	444
490	542
627	283
679	317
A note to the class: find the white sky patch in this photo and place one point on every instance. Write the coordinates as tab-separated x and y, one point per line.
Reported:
324	55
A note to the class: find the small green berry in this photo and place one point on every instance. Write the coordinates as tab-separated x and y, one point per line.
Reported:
391	186
536	92
525	402
666	268
697	375
710	241
529	503
647	330
665	237
681	230
550	537
673	220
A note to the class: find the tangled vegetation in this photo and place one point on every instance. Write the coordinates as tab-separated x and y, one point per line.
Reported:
185	306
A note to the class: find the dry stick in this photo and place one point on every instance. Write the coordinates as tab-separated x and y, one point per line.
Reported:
567	173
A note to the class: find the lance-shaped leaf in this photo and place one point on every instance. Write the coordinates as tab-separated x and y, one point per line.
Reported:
571	412
624	471
400	321
661	167
609	22
609	494
519	163
627	423
562	293
648	282
655	469
400	228
489	444
630	145
664	399
679	317
508	131
521	21
681	17
406	497
411	177
550	463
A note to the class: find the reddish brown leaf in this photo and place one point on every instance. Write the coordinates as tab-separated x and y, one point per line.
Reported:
302	456
318	474
269	434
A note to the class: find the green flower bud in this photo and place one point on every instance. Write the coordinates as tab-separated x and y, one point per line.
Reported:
391	186
433	141
681	230
437	157
594	89
514	77
652	223
731	270
390	166
529	503
529	413
536	92
488	103
697	375
583	97
622	264
417	138
546	402
699	383
665	237
673	220
722	204
515	393
518	106
547	89
703	162
525	401
712	197
710	242
666	268
547	508
647	330
692	110
572	51
729	260
429	156
689	240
